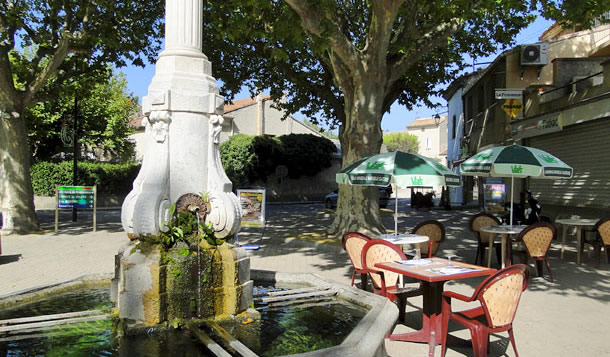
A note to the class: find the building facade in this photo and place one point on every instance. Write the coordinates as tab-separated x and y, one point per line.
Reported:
431	136
563	108
258	116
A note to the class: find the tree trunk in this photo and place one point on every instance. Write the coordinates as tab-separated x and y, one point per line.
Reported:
16	194
361	136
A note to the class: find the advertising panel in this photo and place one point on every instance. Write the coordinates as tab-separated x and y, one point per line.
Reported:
252	207
494	196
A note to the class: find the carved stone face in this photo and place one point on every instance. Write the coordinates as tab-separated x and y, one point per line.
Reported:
159	131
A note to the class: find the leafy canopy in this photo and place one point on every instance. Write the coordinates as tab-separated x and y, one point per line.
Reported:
46	43
305	48
404	142
104	110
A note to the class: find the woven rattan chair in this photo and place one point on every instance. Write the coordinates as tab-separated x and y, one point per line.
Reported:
601	239
498	296
476	223
435	231
353	243
537	239
385	283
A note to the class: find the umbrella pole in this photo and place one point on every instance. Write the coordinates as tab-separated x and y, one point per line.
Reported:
512	187
396	213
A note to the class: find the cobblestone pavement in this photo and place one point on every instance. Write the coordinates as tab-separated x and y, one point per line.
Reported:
565	318
46	258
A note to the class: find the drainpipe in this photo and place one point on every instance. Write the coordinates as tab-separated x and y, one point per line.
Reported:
260	115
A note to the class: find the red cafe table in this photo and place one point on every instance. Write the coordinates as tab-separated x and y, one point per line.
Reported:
433	276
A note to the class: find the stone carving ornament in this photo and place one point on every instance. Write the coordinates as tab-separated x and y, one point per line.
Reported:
225	205
146	207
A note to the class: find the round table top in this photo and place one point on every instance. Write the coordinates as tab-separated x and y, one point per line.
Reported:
405	238
514	229
577	221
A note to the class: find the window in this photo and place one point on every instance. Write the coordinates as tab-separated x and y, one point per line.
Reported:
453	127
428	143
481	99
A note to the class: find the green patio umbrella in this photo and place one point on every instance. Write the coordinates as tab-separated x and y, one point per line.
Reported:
516	161
400	168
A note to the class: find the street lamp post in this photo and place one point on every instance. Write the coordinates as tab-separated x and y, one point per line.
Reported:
75	147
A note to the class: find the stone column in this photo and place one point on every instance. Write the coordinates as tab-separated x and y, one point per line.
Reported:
184	118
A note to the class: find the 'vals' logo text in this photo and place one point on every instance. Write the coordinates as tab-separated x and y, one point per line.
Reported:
377	165
417	181
517	169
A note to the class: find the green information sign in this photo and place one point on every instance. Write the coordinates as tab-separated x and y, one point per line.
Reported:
75	196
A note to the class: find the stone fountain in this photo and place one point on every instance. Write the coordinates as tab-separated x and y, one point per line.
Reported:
183	118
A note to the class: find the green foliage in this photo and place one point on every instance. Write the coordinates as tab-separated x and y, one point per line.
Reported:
184	227
306	154
401	141
104	111
44	46
251	159
327	133
54	42
109	178
316	51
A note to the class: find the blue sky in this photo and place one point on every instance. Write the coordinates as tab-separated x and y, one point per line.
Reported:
399	117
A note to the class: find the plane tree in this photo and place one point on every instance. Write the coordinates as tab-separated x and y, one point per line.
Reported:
346	62
43	45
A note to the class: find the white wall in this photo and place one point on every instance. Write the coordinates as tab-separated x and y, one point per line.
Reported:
430	138
455	108
247	120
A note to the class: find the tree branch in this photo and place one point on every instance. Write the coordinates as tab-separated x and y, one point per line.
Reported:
8	92
426	44
295	76
311	19
383	16
60	53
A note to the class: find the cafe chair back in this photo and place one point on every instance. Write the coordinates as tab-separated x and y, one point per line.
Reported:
498	297
537	240
385	283
435	231
352	243
601	239
476	223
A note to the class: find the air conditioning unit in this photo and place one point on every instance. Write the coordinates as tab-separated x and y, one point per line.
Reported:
534	54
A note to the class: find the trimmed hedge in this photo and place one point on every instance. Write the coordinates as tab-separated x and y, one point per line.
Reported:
109	178
247	160
251	159
306	154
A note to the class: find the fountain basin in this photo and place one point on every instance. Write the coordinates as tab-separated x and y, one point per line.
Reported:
365	339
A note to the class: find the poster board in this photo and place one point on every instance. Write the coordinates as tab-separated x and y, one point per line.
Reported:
494	196
252	207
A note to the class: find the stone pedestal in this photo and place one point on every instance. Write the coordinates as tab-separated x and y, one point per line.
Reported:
154	286
183	118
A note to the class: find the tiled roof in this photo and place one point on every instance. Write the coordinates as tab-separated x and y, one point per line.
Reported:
241	103
419	122
136	122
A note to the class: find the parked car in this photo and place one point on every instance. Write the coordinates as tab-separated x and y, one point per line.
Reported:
384	195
